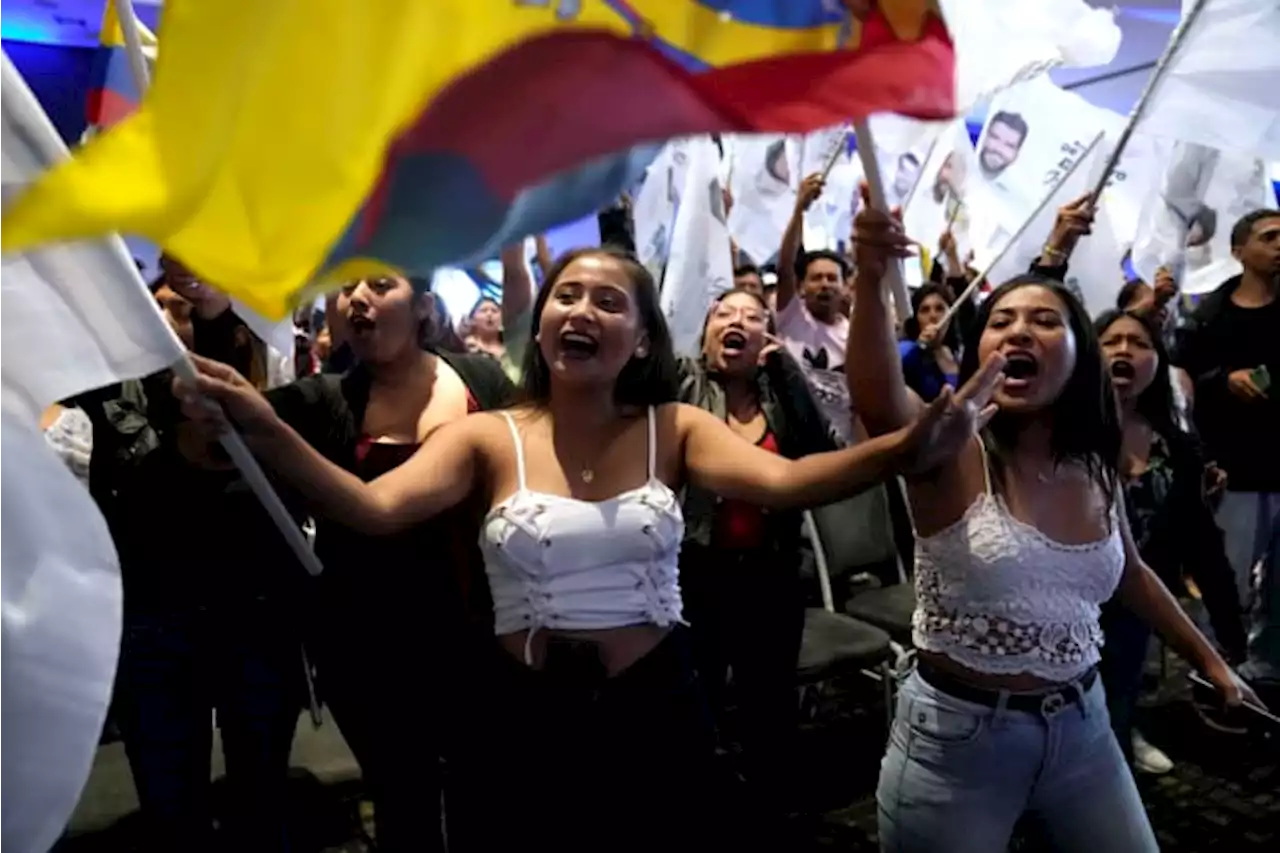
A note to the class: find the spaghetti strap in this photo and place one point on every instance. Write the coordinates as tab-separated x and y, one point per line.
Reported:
653	441
986	466
515	436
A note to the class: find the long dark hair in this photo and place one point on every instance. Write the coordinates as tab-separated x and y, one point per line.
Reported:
1156	404
1086	421
648	381
911	326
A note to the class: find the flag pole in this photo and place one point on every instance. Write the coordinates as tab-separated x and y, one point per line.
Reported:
1013	241
1135	115
133	45
232	441
875	186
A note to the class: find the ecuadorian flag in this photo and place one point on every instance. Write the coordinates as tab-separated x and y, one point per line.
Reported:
285	139
114	93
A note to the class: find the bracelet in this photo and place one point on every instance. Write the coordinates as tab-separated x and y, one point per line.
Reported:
1051	252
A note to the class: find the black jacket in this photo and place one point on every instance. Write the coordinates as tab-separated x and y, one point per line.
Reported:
794	419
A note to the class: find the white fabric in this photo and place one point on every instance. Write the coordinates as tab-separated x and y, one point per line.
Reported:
1199	183
75	316
561	563
700	264
1220	89
999	42
997	596
942	194
811	343
765	177
654	209
71	438
61	634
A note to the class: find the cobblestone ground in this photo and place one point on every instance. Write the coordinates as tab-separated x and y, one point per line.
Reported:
1223	795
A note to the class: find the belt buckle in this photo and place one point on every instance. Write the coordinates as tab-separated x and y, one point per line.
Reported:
1052	704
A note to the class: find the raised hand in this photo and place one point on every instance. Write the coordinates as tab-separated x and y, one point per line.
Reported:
947	424
810	188
1074	221
877	238
216	383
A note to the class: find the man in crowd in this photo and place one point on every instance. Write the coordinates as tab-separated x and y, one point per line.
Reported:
1231	349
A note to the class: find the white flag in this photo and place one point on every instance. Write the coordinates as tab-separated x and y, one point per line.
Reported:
654	210
1186	225
700	265
1000	42
1222	87
943	195
75	316
61	633
765	178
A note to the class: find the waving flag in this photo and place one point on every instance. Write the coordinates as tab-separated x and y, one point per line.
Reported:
114	93
271	123
1220	89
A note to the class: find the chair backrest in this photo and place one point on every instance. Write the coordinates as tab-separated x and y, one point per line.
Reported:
856	535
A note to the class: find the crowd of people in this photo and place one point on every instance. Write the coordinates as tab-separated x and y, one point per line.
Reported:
560	551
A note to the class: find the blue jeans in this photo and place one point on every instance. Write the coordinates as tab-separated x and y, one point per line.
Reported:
1250	523
958	776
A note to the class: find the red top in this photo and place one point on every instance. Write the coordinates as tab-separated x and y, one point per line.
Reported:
740	525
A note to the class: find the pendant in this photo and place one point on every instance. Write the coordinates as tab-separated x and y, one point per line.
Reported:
588	475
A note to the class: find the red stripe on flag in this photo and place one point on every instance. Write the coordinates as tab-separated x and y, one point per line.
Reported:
569	96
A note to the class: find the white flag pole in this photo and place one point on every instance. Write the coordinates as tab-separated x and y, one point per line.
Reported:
232	442
875	186
1013	241
1135	115
133	45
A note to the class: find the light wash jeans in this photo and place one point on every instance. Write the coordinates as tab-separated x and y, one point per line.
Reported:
1250	523
959	775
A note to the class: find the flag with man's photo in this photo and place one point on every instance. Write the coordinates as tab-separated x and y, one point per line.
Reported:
766	174
1186	223
943	196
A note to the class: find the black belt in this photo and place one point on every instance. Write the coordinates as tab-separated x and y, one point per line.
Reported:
1047	702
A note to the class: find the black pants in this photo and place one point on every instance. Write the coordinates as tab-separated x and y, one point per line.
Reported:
571	760
746	614
176	667
1123	657
387	676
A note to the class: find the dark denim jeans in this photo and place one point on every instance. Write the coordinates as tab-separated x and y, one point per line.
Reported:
176	668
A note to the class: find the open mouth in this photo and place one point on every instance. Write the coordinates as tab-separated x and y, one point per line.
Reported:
360	324
733	343
1019	369
1121	369
576	346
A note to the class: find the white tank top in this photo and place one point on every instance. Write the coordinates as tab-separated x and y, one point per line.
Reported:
998	596
564	563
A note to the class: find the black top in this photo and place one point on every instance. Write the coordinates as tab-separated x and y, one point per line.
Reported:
1242	436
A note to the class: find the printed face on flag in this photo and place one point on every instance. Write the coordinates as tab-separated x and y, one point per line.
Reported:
1002	139
941	196
904	176
1186	223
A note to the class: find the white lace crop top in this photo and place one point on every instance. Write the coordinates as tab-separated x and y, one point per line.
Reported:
998	596
558	562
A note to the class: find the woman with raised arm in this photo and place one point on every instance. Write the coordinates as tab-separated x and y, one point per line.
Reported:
599	737
1020	538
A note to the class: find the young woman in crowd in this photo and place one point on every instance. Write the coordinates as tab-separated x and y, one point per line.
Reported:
597	735
390	642
1020	539
1169	517
739	562
928	351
